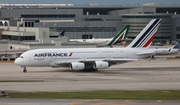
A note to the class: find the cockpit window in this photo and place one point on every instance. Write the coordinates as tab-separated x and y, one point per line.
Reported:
21	57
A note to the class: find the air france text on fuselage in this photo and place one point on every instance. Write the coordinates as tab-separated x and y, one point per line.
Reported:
51	55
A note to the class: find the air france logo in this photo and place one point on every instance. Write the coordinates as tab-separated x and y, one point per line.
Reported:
53	54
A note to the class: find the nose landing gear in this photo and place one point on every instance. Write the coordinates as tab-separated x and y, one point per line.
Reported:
24	69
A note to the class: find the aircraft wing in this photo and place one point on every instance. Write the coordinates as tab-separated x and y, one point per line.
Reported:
92	60
146	53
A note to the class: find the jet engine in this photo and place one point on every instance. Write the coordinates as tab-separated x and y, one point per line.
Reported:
100	65
77	66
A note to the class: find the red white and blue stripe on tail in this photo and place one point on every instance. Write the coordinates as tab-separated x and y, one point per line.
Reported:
145	37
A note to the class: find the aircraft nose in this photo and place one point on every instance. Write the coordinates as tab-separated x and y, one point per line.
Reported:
18	61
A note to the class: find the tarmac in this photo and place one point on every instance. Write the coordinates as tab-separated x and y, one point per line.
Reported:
158	74
10	101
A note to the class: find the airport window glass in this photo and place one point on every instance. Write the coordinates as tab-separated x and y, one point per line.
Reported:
177	28
146	17
9	37
162	37
48	16
169	10
87	36
148	12
14	38
27	37
87	29
100	11
178	36
93	19
53	36
32	24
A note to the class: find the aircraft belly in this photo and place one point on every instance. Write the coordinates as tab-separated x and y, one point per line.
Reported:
117	62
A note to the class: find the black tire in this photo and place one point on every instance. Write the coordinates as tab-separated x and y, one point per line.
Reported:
90	70
96	70
25	71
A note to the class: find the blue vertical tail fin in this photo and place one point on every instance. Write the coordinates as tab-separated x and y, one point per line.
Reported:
177	46
62	33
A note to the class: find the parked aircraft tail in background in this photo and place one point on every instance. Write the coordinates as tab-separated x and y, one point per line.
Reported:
62	33
102	42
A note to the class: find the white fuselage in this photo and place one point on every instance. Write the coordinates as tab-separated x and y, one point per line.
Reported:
44	57
99	42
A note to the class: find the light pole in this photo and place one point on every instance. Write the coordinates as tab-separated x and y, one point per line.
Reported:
44	25
85	29
54	25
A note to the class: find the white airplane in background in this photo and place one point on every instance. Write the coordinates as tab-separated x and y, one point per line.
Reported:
167	51
91	58
118	38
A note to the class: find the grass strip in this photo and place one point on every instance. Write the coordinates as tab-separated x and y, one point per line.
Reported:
21	80
125	95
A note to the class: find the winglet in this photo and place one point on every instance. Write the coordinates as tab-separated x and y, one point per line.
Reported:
121	35
62	33
145	37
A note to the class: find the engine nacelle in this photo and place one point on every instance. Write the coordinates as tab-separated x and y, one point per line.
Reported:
77	66
100	65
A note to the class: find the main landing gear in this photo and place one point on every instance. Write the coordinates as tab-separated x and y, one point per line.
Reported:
90	70
24	69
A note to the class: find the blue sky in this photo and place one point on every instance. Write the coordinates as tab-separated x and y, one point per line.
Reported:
100	2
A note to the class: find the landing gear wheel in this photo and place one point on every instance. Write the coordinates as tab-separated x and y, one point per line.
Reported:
24	70
90	70
87	70
95	70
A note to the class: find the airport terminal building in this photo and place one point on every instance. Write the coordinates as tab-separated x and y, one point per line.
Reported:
93	20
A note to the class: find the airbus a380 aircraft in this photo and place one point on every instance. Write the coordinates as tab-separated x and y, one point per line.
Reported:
91	58
119	37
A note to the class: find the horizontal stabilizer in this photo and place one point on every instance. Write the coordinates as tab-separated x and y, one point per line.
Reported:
146	53
122	60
